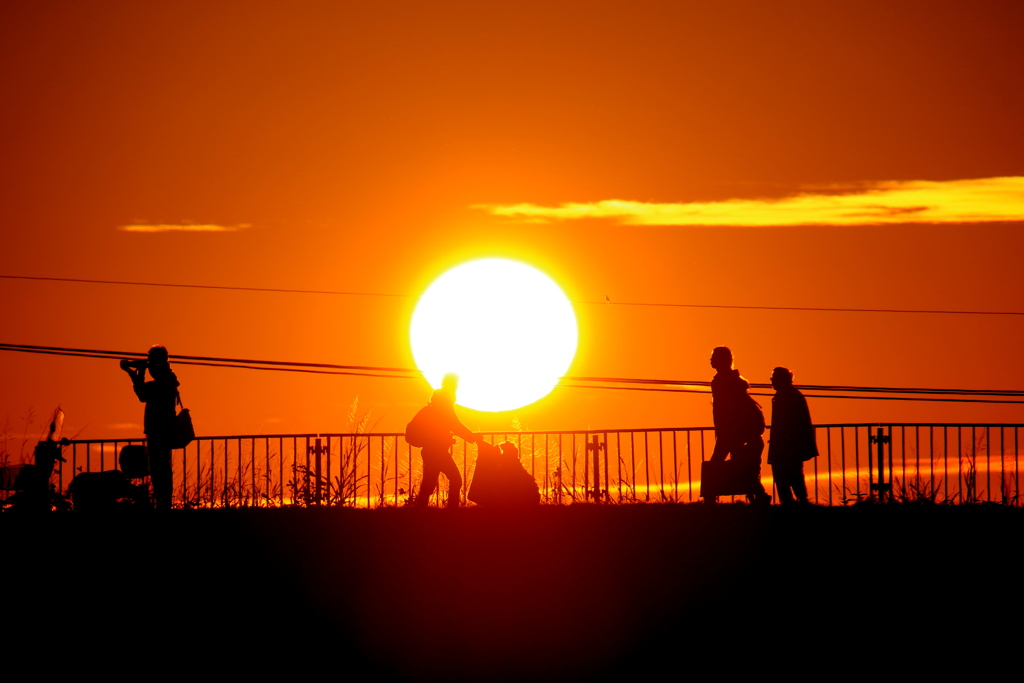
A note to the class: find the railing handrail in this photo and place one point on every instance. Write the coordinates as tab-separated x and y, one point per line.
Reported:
649	430
962	461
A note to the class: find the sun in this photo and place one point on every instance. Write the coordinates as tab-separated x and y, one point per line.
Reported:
504	327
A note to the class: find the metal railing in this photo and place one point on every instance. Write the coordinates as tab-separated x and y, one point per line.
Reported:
957	463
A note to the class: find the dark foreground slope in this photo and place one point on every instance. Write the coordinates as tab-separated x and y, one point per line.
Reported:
552	593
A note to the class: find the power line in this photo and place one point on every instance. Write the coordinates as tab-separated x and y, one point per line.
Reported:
810	387
663	386
185	286
178	358
754	393
594	303
802	308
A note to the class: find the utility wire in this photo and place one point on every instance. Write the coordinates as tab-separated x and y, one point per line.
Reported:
181	359
184	286
754	393
595	303
811	387
802	308
664	386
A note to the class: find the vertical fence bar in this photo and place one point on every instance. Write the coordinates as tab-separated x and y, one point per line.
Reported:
224	498
561	468
988	464
828	445
590	466
383	474
1001	455
574	467
903	455
605	477
547	468
398	465
632	464
661	466
675	465
958	452
891	447
618	461
689	466
856	455
703	454
647	469
945	460
252	471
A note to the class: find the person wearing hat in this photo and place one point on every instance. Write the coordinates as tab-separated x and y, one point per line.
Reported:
791	441
160	395
436	452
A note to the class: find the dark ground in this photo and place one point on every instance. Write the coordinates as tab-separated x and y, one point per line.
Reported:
568	593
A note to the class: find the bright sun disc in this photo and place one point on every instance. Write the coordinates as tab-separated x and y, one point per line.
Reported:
504	327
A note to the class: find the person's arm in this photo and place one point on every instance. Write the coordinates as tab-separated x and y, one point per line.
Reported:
807	429
459	429
138	376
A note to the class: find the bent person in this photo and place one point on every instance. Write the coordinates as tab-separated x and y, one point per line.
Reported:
739	425
160	395
792	441
436	453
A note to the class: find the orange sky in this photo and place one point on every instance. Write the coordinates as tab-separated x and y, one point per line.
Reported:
358	148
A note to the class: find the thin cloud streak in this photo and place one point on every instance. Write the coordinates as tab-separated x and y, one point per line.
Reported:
886	202
186	227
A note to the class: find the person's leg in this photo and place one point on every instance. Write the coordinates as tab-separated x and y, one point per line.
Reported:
783	483
161	474
750	455
799	485
451	470
431	468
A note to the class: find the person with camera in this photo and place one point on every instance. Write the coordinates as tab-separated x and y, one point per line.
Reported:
160	395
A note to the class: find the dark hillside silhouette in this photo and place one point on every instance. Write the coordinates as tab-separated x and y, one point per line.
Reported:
576	593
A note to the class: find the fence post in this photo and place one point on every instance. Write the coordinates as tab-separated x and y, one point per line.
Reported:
880	440
596	446
317	450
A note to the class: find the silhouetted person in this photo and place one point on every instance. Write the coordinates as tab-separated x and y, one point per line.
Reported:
436	452
160	395
792	439
737	432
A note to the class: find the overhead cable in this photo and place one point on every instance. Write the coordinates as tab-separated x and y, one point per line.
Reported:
606	302
664	386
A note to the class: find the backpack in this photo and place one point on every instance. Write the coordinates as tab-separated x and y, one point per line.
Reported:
751	418
419	429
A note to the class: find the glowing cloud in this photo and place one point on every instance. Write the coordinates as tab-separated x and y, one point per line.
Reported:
184	227
897	201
